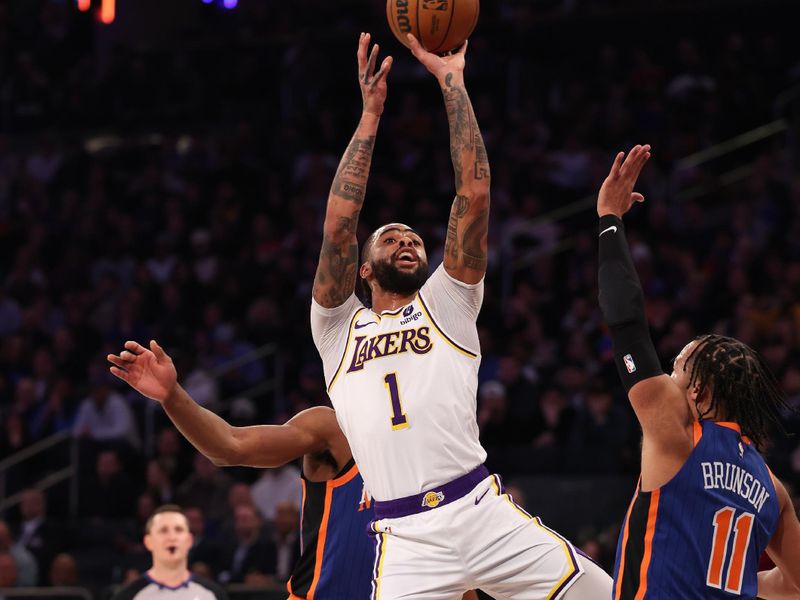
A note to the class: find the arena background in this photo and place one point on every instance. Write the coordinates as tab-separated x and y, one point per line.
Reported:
164	176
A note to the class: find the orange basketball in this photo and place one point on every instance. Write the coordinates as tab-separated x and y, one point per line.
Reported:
439	25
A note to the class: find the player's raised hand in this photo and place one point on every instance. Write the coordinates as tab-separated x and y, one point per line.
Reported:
373	85
439	66
149	371
616	194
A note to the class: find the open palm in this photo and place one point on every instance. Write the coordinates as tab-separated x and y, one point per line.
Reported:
149	371
616	194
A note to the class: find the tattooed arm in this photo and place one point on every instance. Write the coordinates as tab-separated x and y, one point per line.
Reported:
338	260
465	249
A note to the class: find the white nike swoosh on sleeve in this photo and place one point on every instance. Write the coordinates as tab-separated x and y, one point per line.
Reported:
612	228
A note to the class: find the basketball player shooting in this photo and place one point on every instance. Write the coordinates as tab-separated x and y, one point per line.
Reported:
402	375
707	505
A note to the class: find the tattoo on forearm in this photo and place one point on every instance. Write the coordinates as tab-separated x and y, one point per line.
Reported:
350	182
473	240
481	157
467	149
336	273
458	116
459	209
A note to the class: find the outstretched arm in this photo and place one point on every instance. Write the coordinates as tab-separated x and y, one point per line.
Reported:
152	373
338	260
656	399
466	247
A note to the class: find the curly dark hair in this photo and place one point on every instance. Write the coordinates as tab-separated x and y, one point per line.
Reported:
741	384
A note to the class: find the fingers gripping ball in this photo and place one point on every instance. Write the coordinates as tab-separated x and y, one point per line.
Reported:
439	25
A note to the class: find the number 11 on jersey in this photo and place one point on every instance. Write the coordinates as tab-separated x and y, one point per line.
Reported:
399	419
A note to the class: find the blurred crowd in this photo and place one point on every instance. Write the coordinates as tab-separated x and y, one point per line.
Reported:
176	191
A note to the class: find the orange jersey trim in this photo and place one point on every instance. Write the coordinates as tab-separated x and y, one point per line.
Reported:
648	544
323	533
697	432
302	512
330	485
621	571
343	479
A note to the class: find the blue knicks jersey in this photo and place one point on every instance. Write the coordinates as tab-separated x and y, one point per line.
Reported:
700	535
336	552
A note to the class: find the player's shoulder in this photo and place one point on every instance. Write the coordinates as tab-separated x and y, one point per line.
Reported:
350	305
316	415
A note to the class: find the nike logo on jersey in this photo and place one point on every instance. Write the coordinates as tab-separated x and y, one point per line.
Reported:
360	325
479	498
612	228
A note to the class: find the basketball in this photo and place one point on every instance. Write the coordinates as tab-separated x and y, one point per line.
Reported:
439	25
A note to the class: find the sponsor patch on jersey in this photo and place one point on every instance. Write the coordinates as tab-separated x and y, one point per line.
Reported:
629	364
433	499
408	310
414	317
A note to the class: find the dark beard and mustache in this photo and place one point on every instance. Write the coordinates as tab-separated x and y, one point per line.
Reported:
392	279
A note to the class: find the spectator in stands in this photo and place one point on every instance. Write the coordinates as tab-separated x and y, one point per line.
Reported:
603	431
39	534
250	557
276	486
64	571
171	455
8	571
104	416
554	422
207	487
109	493
157	483
204	555
27	570
286	537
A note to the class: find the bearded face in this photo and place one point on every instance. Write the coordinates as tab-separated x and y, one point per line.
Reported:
404	280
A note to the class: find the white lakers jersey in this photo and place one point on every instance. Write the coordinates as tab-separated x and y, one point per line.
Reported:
404	385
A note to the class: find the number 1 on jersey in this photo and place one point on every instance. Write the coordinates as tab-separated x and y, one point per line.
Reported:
399	420
723	520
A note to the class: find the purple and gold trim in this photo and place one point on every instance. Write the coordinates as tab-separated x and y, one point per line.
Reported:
449	340
430	499
575	569
377	570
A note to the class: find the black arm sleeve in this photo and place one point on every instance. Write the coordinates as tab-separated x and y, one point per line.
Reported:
622	302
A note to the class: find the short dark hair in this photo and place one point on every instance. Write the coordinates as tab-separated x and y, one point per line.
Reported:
740	382
164	508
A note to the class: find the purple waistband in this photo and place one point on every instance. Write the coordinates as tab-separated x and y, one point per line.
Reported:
425	501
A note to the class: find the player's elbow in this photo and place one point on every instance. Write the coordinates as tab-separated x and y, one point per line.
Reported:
222	461
477	191
229	453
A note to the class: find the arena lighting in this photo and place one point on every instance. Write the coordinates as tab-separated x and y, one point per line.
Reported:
84	5
230	4
107	11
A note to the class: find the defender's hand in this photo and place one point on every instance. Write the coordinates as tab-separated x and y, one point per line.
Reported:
149	372
616	194
373	85
439	66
